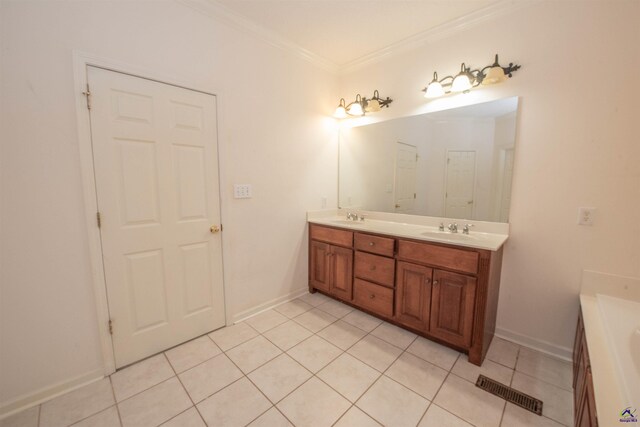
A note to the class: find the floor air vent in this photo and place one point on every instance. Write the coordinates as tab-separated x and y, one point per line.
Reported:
510	395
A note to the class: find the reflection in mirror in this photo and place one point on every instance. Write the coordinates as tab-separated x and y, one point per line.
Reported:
455	163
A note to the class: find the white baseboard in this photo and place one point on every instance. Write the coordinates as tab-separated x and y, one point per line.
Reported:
559	352
29	400
268	305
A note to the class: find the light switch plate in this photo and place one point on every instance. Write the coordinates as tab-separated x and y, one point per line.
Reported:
241	191
585	216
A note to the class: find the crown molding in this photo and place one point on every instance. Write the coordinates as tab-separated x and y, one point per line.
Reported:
436	33
215	10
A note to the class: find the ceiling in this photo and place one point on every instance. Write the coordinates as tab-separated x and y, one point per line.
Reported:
344	31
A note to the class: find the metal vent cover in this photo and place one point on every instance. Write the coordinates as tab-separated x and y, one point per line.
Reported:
510	395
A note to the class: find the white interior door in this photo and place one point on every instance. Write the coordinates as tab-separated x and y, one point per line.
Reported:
156	166
405	179
460	184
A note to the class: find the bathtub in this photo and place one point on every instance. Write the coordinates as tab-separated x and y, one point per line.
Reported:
621	319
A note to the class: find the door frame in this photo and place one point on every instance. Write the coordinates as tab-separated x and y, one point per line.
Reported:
82	60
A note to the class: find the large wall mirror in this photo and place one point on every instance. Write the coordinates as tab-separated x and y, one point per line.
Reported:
456	163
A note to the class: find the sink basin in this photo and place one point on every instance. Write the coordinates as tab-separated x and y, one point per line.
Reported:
345	222
448	236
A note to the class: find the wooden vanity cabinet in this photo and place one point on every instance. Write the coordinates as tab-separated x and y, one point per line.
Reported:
413	295
443	292
330	265
453	299
583	394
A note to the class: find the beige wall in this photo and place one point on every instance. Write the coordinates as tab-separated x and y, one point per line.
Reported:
577	145
273	133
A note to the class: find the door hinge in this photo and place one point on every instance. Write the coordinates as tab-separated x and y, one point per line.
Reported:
98	219
220	227
87	93
110	327
414	195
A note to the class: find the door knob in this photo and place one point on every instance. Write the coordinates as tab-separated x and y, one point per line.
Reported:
214	229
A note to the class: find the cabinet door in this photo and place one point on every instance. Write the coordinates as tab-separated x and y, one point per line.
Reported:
452	307
341	283
320	274
413	295
586	414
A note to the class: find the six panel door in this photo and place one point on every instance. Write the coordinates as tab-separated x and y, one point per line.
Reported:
156	170
413	295
452	307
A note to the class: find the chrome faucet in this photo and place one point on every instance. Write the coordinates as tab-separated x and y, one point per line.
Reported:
465	230
453	227
352	216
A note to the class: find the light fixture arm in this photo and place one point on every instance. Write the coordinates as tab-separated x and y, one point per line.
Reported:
476	76
368	105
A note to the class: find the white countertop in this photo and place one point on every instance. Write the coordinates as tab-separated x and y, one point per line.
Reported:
607	384
483	235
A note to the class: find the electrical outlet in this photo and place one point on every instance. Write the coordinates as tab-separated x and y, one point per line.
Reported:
241	191
585	216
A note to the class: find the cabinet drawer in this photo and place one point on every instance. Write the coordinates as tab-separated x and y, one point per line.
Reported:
375	268
331	235
374	244
439	256
372	297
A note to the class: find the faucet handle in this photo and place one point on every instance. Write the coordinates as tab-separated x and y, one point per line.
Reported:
441	226
453	227
361	217
466	228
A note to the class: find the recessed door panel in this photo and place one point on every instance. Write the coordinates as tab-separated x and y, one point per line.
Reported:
146	282
139	184
187	116
196	273
190	182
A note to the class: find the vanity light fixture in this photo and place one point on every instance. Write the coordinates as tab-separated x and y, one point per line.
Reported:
361	106
467	79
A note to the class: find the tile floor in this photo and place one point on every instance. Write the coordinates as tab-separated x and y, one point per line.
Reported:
314	362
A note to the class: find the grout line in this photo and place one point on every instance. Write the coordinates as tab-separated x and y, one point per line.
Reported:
113	392
185	390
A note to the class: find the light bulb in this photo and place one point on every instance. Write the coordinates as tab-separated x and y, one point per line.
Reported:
372	106
434	90
355	109
341	111
494	75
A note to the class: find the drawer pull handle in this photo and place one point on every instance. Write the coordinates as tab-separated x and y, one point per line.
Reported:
427	281
371	243
372	296
435	282
372	268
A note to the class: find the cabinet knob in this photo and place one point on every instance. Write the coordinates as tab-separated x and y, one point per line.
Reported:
435	282
427	281
372	296
371	243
